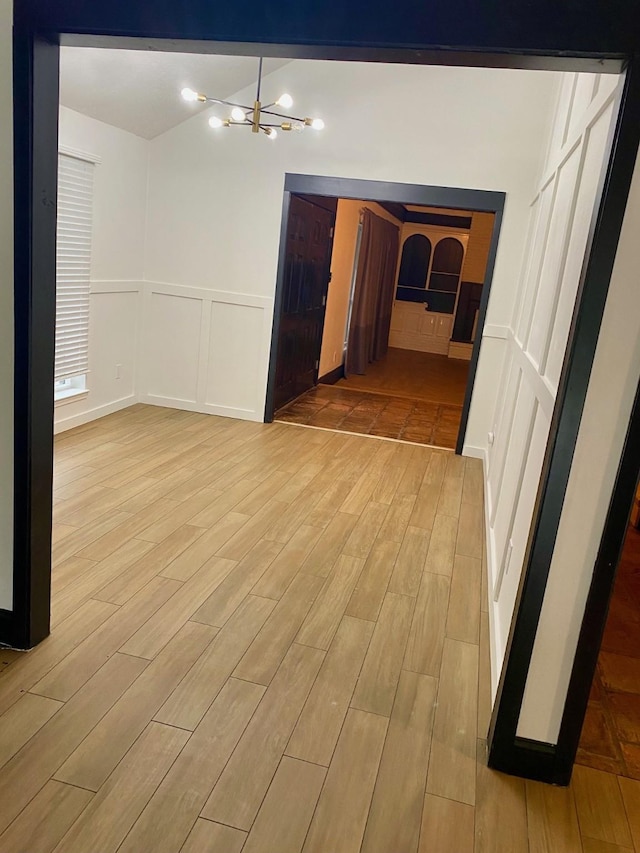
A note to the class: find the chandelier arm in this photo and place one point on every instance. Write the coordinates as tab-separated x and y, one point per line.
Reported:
282	115
227	103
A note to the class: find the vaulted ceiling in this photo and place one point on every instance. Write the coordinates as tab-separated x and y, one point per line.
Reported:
139	90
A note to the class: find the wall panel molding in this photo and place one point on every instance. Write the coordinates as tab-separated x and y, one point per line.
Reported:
117	287
561	208
226	367
493	331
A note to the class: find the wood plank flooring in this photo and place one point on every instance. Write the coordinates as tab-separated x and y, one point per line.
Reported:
269	639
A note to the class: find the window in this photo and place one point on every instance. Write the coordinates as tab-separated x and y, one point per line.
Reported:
430	277
65	388
73	271
447	265
414	265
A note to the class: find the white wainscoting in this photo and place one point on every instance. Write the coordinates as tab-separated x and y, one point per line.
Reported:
561	213
114	324
205	350
493	345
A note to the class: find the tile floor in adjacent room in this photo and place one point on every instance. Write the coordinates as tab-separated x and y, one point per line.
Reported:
270	639
406	395
382	415
611	733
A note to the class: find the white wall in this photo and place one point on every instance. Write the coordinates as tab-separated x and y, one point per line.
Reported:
612	388
117	264
342	261
6	308
215	202
561	213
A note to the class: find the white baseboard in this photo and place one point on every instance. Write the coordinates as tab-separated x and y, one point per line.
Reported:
475	453
64	424
481	453
204	408
493	633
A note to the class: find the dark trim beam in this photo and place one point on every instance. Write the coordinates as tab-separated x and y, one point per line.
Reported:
398	211
486	201
36	171
330	204
443	220
517	32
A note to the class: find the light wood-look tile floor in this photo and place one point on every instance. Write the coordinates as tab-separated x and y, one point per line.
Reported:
269	639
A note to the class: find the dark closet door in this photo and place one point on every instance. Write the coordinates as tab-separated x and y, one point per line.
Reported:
304	296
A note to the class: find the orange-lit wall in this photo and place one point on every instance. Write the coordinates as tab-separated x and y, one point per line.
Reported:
342	258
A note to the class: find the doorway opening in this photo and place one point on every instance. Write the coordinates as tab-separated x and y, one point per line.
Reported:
380	304
35	123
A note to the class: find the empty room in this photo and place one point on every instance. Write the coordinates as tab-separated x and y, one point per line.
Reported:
308	334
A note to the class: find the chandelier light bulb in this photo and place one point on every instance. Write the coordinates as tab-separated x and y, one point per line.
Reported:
285	101
255	117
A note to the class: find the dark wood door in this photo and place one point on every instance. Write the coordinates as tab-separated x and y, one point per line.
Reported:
304	295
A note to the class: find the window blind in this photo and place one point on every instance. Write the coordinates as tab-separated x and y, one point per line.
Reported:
73	266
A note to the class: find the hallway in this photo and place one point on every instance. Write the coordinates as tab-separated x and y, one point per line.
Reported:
269	639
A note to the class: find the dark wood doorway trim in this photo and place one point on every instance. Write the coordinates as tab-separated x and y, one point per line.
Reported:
586	36
453	198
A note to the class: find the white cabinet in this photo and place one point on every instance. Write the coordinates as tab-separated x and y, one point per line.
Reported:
413	327
444	326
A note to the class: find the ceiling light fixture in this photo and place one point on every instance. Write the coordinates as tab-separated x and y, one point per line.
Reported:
257	117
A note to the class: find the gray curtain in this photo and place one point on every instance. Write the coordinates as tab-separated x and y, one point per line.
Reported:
373	292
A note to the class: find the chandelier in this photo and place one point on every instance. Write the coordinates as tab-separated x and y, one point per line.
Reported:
258	117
